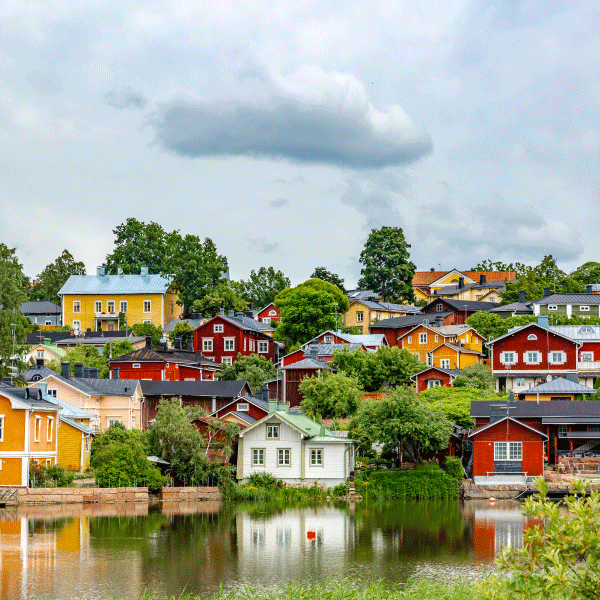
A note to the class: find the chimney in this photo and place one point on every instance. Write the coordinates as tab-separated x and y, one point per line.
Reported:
239	315
94	372
43	387
272	406
115	373
250	314
589	288
149	342
78	369
543	321
7	380
314	352
231	313
177	344
461	282
482	279
101	271
439	321
86	372
522	296
47	341
65	369
263	393
546	292
144	271
221	312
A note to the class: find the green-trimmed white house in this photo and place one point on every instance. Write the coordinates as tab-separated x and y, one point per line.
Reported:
295	449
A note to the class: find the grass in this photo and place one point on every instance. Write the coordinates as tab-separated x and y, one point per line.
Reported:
417	589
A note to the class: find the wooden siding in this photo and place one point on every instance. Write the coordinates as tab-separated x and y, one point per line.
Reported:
422	378
71	447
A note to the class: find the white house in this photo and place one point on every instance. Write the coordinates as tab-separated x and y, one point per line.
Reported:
294	448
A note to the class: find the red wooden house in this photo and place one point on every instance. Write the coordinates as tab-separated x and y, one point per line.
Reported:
461	309
243	411
324	352
394	329
369	341
222	338
163	365
433	377
267	314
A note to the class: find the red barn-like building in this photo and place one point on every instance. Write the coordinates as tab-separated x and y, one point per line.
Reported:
268	314
434	377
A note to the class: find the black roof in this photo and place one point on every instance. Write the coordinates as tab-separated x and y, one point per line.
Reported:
38	337
458	305
31	397
548	408
194	388
411	320
40	307
177	356
569	299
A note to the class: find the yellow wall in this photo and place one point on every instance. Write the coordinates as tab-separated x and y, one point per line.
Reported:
10	474
545	397
469	338
72	441
369	316
458	360
159	315
14	427
43	444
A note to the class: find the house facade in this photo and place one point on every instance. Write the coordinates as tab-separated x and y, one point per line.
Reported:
569	305
95	301
294	373
45	351
268	314
434	377
43	313
294	448
363	313
394	329
223	337
461	309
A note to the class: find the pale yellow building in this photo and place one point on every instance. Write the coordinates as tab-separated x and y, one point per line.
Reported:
363	313
95	301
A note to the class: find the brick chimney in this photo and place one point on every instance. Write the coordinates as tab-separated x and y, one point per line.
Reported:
546	292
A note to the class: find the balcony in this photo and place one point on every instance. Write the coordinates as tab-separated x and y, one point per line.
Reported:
107	316
589	366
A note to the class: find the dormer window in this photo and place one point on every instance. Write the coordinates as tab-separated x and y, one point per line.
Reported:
586	329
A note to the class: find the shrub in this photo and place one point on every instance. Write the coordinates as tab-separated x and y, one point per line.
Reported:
410	484
454	468
341	490
264	480
51	476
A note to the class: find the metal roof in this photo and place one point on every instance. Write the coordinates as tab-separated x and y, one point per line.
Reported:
560	385
40	307
569	299
328	349
388	306
410	320
309	364
514	307
193	388
115	284
549	408
193	323
578	332
244	416
459	305
77	425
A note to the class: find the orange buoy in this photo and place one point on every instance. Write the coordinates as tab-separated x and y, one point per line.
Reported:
492	500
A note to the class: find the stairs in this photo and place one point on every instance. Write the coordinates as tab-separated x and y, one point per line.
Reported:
9	496
587	446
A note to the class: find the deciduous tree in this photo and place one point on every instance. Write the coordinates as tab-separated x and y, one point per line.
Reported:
262	286
477	376
330	395
55	275
255	369
222	296
325	275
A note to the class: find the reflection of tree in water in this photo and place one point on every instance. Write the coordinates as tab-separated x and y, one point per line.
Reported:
37	526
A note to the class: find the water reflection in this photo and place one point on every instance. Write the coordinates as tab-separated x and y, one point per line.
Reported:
99	551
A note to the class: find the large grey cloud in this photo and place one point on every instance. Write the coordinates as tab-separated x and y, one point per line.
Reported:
309	117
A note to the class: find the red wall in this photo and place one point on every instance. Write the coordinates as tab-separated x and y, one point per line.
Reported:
253	411
147	370
432	374
265	313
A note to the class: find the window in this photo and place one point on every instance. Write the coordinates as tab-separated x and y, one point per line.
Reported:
47	322
532	337
52	392
328	339
226	360
520	382
586	329
40	354
229	344
283	457
76	325
123	306
557	358
562	431
147	321
359	317
1	430
439	307
508	451
76	306
552	307
429	360
258	457
172	307
409	339
133	421
584	308
422	338
263	347
272	431
207	344
110	306
587	356
135	365
316	457
437	338
111	420
98	306
532	358
243	406
433	383
48	462
244	344
87	443
38	428
273	313
147	306
508	358
266	320
49	429
218	328
445	363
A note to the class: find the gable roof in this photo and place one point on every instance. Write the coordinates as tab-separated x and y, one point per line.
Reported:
76	425
516	330
243	322
444	330
460	349
428	278
387	306
552	409
513	307
21	397
308	364
495	423
54	349
194	388
360	294
410	320
258	402
177	356
452	372
365	339
568	299
40	307
115	284
459	305
560	385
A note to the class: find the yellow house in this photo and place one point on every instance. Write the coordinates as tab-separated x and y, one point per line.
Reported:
95	301
363	313
423	339
28	433
109	400
45	351
451	356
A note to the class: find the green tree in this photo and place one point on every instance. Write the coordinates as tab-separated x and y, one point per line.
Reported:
325	275
560	557
262	286
478	376
373	370
387	268
405	421
588	272
118	348
13	325
222	296
54	276
88	355
330	395
352	330
184	331
147	329
255	369
308	309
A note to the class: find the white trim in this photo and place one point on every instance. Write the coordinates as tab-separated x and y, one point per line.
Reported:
149	305
536	361
1	428
49	429
229	340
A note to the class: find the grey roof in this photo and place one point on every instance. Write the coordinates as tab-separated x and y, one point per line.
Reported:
115	284
193	388
259	402
560	385
569	299
411	320
547	409
513	307
458	305
389	306
244	322
35	401
193	323
77	425
327	349
451	372
98	340
359	294
40	307
309	364
244	417
367	339
460	349
455	289
578	332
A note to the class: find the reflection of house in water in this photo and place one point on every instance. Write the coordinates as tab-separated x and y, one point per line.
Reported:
495	528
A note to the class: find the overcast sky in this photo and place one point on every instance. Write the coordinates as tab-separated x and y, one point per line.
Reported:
287	130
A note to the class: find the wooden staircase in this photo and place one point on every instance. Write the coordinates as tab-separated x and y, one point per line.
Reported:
9	496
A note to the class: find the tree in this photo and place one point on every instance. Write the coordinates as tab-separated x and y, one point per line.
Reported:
387	269
255	369
308	309
330	395
222	296
560	557
588	272
88	355
391	366
404	421
147	330
325	275
184	331
55	275
477	376
262	286
13	324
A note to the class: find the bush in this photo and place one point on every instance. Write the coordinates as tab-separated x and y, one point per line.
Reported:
341	490
51	476
264	480
410	484
454	468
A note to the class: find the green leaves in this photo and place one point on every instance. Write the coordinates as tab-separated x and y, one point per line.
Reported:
330	395
255	369
55	275
263	286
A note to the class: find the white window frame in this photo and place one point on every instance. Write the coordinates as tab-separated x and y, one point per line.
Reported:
77	324
422	338
114	306
147	305
429	360
316	457
437	338
409	341
263	347
439	307
207	344
266	320
360	317
136	366
258	457
229	344
97	306
243	407
431	383
49	429
536	361
532	337
147	321
508	451
226	360
503	358
53	392
552	355
552	307
40	354
520	382
111	420
584	308
284	457
37	429
328	339
272	313
444	363
218	328
590	356
76	306
1	430
273	431
123	306
562	431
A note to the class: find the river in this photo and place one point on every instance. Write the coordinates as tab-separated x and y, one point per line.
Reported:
101	551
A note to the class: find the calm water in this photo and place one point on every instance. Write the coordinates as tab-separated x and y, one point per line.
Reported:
107	550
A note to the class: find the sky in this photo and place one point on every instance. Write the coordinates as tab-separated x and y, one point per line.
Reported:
287	131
